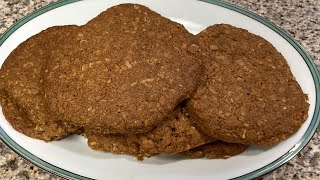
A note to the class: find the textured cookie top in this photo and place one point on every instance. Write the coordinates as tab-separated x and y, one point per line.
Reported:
21	76
250	95
20	121
175	135
17	118
124	72
113	143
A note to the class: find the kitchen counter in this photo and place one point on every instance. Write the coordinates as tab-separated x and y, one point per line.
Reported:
299	18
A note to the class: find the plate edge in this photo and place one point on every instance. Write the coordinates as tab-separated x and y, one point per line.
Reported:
257	173
3	135
316	78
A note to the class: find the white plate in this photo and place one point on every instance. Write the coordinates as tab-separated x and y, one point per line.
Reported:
71	157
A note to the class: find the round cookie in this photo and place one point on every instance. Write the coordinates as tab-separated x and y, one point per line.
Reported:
175	135
216	150
21	82
130	69
250	95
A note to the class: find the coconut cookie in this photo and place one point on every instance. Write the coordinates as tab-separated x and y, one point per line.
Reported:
130	69
21	76
250	95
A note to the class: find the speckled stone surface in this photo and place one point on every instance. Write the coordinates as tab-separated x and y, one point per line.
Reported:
299	18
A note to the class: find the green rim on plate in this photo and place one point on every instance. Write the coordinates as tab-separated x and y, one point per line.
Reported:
268	168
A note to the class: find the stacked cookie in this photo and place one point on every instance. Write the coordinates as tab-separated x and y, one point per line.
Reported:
137	83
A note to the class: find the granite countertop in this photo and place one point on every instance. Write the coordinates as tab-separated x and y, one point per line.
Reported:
299	18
